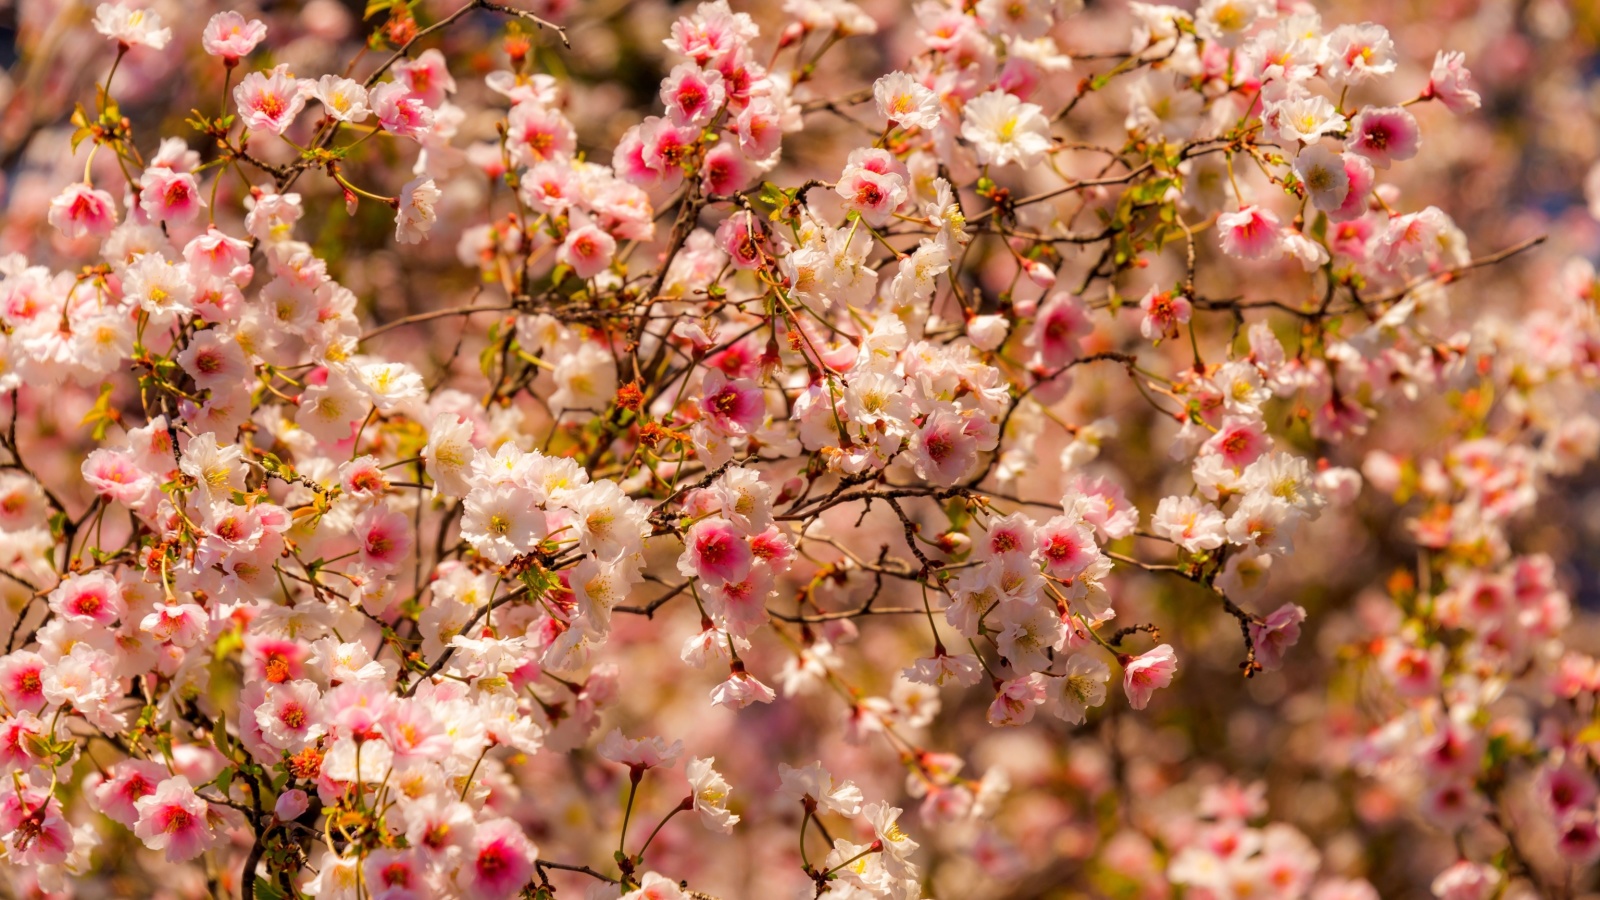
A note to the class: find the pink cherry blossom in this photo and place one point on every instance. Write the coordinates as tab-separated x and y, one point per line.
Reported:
174	819
232	36
1277	634
1163	312
270	101
1383	135
692	94
82	210
93	598
168	196
734	406
399	111
1142	675
715	552
125	785
740	690
588	250
427	77
385	537
1451	84
499	861
1017	700
1250	233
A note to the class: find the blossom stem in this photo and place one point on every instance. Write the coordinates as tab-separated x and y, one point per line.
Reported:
805	861
122	50
687	803
876	847
635	775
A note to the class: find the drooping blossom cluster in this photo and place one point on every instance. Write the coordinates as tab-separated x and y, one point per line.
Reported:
840	411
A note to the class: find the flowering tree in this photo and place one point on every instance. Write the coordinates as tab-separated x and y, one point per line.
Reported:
933	425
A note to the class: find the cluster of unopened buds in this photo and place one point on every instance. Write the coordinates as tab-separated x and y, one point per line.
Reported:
309	613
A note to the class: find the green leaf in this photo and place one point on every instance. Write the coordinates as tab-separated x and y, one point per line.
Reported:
266	890
219	736
100	414
538	580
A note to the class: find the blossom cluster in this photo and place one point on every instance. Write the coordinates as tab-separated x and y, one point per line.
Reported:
881	430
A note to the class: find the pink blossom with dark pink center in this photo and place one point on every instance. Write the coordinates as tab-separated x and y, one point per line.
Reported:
35	831
174	819
114	475
81	210
181	624
1359	172
269	102
22	681
735	406
692	95
1351	239
1067	547
711	33
1061	321
1163	312
385	537
550	187
363	477
537	134
1414	671
758	128
1579	843
740	607
498	862
739	76
395	873
1251	233
1275	635
1142	675
1565	789
400	112
874	195
1017	700
427	77
125	785
168	196
1239	441
716	552
665	147
275	660
726	170
587	250
941	451
93	598
1383	135
220	255
742	237
772	546
1013	534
